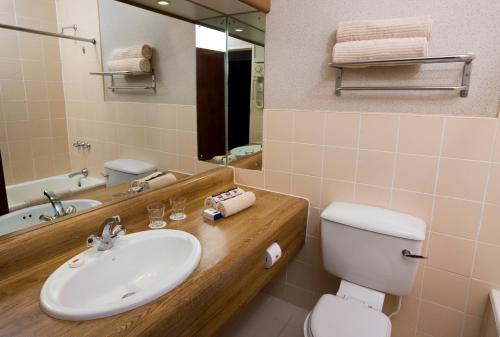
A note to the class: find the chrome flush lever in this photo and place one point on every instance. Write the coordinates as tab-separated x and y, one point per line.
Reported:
407	253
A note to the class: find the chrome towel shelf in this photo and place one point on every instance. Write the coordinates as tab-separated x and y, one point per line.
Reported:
114	87
466	59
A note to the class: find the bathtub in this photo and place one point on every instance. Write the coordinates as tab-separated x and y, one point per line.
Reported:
491	321
18	194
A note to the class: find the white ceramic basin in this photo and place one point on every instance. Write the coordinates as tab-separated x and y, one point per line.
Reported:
246	150
28	217
138	269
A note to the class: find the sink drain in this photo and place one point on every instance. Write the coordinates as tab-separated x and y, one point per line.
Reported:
128	294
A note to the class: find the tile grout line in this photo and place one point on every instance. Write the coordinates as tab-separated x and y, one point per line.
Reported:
356	167
395	162
431	219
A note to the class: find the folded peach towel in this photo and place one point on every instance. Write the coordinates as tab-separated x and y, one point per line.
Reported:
134	64
237	204
417	26
376	50
155	180
63	194
132	52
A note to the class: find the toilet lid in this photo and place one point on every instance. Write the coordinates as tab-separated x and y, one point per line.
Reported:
336	317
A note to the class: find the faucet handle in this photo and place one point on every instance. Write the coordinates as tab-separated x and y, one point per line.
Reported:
93	240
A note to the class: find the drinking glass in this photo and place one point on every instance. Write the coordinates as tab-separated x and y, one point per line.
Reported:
178	205
156	214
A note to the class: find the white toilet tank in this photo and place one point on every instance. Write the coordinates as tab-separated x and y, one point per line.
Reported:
364	245
124	170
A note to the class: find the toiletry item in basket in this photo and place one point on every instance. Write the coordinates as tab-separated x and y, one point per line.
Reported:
212	201
236	204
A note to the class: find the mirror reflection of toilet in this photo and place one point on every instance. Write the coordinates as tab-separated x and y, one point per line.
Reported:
374	251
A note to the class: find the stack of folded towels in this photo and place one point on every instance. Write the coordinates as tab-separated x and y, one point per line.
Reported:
375	40
134	58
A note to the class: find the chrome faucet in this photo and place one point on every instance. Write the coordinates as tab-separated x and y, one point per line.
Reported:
110	230
59	209
56	204
84	172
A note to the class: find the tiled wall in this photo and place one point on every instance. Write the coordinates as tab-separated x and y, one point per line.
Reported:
33	136
445	170
162	134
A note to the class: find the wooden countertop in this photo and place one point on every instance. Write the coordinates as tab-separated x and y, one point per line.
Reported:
230	273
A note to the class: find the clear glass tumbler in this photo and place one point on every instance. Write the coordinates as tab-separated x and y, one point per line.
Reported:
156	214
178	205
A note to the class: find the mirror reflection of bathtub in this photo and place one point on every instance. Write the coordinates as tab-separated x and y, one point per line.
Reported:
18	195
28	217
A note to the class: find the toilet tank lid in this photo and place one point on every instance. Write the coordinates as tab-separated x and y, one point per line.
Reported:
375	219
130	166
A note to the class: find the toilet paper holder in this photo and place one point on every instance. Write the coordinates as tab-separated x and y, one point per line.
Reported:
273	254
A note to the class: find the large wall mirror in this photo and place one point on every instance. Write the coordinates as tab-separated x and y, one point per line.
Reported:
82	126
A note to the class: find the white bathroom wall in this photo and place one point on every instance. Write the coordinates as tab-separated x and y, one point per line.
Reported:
174	55
300	36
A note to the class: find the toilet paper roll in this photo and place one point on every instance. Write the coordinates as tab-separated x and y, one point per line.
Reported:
273	254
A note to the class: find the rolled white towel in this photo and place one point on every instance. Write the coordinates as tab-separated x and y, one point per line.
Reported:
155	180
237	204
135	65
376	50
132	52
417	26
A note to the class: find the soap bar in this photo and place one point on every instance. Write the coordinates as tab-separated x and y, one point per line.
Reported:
211	214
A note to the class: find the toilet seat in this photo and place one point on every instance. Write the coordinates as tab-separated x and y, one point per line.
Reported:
337	317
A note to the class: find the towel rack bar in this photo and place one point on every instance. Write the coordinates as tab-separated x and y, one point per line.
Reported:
41	32
131	87
417	88
112	73
466	59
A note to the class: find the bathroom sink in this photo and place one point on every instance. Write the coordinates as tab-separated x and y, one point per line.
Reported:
138	269
27	217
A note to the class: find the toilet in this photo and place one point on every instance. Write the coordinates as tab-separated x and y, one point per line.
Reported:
374	251
120	171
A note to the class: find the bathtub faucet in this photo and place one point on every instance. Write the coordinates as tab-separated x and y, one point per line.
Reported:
84	172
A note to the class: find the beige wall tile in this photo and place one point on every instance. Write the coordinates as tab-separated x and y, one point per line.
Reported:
186	118
405	323
278	125
445	288
478	297
309	126
472	326
278	181
420	134
490	226
373	195
440	321
249	177
277	156
333	190
416	204
375	168
339	163
493	189
469	138
307	159
307	187
15	111
485	267
496	147
416	173
314	222
456	217
451	253
342	129
379	132
462	179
